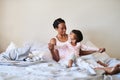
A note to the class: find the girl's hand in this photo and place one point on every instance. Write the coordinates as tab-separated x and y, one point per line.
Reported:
101	50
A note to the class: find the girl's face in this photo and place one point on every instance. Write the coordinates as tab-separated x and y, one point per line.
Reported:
61	28
72	36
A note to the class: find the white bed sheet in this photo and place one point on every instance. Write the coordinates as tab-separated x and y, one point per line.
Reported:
43	71
48	69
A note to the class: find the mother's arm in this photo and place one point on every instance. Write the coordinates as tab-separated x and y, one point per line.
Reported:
54	52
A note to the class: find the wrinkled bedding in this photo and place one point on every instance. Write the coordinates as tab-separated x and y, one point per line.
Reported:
42	67
44	71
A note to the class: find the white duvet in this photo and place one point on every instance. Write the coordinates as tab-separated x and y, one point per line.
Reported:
42	70
42	67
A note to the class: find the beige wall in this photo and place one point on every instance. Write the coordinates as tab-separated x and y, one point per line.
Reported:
23	20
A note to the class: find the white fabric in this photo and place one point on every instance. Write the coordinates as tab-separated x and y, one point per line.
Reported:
91	60
84	65
11	46
113	62
51	70
14	53
17	54
45	71
98	56
39	52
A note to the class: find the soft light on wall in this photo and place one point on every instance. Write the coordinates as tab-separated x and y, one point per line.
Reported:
24	20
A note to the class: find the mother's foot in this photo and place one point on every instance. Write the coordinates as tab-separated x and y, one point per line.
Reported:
113	70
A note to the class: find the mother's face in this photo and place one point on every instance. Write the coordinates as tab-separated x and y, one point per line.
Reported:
61	28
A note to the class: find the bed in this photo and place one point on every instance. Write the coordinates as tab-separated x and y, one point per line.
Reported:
44	68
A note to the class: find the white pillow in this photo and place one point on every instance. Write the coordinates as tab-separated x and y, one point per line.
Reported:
86	57
98	56
11	46
101	56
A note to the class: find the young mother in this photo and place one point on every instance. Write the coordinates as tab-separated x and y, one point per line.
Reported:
57	45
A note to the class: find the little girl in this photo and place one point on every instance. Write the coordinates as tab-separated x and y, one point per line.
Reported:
76	48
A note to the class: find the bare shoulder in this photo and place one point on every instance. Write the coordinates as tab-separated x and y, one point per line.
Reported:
53	41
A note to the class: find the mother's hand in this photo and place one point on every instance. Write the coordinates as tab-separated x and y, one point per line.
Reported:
54	52
51	46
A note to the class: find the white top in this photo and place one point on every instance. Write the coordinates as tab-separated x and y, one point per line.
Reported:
65	48
62	47
76	49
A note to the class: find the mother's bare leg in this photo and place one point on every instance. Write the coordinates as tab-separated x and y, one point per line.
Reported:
112	70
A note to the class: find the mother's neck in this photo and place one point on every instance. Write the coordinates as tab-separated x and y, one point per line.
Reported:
62	35
62	38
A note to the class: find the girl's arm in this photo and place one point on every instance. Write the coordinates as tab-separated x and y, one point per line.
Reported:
54	52
85	50
82	53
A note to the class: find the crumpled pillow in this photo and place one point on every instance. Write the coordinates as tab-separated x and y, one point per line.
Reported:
101	57
98	56
11	46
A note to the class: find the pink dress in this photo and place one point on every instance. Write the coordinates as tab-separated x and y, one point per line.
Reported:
76	49
67	51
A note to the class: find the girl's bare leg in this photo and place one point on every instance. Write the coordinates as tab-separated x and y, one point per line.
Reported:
70	63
